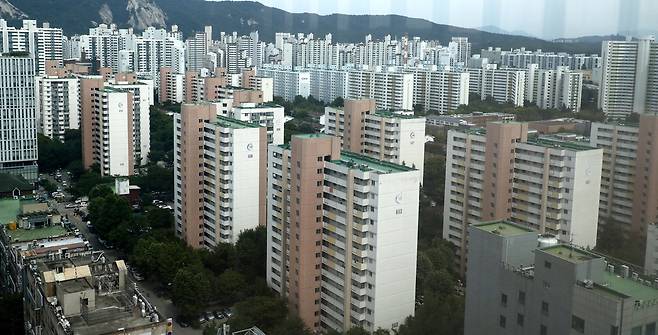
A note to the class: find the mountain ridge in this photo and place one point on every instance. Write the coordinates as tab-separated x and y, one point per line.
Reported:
246	16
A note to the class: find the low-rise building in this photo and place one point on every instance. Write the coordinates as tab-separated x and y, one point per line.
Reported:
523	283
86	294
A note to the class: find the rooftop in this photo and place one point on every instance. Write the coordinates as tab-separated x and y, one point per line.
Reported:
26	235
390	114
628	287
503	228
558	144
567	253
364	163
228	122
10	182
9	209
258	105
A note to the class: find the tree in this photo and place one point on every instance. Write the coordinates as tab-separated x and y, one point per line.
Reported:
190	290
251	250
222	258
263	311
338	102
108	212
292	325
158	218
231	287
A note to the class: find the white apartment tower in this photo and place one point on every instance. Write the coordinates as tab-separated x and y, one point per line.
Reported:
268	115
57	103
559	89
629	82
440	91
545	184
287	83
503	85
390	89
18	116
219	176
43	43
342	235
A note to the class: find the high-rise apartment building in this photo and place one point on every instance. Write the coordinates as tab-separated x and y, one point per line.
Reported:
43	43
390	89
57	103
327	83
287	83
219	176
383	135
268	115
463	49
115	123
196	52
342	235
522	283
172	86
18	116
629	184
546	184
503	85
559	89
629	82
440	91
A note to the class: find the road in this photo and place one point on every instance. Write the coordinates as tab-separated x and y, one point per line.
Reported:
162	304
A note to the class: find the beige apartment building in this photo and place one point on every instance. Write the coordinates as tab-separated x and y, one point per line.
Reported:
542	183
388	136
219	176
342	235
629	184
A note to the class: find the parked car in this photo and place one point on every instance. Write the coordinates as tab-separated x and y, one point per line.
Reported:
138	276
202	319
210	316
228	312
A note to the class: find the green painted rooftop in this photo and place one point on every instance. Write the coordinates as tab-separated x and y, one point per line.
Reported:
228	122
25	235
389	114
314	135
259	105
567	253
503	228
558	144
364	163
628	287
9	209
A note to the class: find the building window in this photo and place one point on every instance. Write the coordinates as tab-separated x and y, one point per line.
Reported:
502	321
614	330
543	330
547	264
650	329
520	319
544	308
503	300
636	330
578	324
521	298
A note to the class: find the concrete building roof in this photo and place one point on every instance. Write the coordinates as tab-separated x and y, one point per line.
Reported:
503	228
228	122
567	253
364	163
557	144
26	235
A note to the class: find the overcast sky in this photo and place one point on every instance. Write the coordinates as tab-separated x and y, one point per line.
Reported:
541	18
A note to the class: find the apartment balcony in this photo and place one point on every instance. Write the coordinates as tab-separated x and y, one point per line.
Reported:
359	214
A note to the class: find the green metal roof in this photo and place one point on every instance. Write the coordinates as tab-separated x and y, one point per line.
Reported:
10	182
571	254
558	144
364	163
228	122
25	235
389	114
9	209
503	228
628	287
